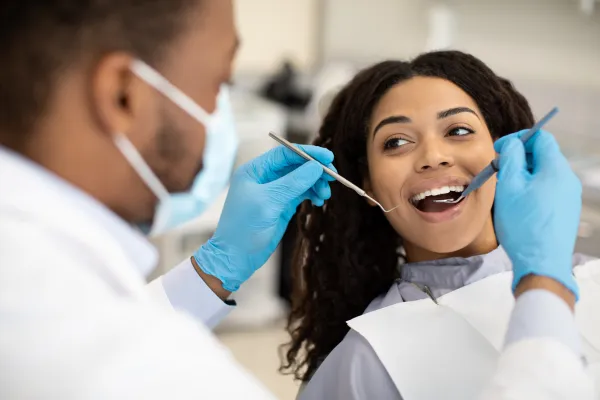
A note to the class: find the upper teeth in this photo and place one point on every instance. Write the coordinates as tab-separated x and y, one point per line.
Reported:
437	192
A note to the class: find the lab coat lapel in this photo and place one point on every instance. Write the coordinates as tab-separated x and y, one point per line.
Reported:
36	201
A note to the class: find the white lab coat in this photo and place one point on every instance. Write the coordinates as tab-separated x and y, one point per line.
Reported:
540	369
76	318
78	322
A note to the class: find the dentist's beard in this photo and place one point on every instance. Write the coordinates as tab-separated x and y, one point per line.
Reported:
172	150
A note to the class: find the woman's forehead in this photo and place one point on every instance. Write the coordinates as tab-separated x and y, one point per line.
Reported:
422	97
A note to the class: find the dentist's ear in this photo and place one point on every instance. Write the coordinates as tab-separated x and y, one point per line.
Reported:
118	100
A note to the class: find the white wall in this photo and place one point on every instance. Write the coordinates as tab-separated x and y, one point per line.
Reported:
549	40
274	29
547	47
367	30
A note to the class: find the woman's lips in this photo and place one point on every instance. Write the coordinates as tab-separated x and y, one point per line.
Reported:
443	216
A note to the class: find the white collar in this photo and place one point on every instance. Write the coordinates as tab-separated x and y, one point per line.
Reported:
448	274
28	182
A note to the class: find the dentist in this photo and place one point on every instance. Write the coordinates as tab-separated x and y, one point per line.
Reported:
93	142
109	108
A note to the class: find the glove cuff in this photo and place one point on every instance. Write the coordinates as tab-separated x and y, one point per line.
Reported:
567	281
214	262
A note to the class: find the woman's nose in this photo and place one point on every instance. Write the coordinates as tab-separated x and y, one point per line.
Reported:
434	155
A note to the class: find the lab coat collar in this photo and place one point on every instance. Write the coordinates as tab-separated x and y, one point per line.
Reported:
31	187
446	275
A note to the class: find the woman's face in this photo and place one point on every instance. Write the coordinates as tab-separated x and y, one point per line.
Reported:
427	140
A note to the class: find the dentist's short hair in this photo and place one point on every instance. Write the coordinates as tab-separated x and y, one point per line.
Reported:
40	39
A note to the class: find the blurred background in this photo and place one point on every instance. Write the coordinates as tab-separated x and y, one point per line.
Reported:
295	51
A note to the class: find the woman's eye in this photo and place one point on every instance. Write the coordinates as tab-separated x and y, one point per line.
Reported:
394	143
460	131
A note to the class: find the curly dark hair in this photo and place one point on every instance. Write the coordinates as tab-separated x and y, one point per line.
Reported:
348	253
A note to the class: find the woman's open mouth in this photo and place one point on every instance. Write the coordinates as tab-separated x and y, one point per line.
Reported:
426	204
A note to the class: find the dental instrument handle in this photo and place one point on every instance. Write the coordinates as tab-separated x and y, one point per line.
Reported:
481	178
493	167
538	125
327	170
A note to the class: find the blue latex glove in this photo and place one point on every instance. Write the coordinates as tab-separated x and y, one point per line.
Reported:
263	196
537	208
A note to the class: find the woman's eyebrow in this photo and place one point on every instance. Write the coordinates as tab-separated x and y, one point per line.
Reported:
401	119
394	119
456	110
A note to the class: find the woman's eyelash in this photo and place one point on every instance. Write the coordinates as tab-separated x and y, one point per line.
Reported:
394	143
463	131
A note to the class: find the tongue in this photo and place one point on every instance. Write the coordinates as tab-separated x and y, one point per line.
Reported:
429	205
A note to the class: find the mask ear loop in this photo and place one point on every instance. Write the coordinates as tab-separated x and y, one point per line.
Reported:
137	162
162	85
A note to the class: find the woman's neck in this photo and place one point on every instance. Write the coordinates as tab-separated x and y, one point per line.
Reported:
484	243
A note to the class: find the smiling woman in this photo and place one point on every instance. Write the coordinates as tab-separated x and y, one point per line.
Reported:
408	133
430	137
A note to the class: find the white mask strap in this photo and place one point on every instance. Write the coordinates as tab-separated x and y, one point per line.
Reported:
158	82
141	167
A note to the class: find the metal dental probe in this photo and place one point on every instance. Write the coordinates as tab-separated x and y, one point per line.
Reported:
329	171
493	167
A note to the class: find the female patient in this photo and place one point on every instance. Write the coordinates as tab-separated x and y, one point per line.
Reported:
409	133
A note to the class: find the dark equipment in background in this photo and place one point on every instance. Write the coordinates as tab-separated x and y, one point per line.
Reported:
285	89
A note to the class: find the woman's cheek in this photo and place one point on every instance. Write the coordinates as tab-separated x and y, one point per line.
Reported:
382	178
489	193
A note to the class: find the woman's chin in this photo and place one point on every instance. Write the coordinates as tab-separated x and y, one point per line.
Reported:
451	247
441	246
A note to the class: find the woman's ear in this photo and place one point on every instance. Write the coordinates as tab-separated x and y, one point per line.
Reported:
368	188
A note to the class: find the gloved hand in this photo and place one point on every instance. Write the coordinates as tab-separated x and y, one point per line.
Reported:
263	197
537	208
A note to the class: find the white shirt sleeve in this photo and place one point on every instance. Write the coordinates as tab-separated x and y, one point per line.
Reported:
542	358
540	313
182	289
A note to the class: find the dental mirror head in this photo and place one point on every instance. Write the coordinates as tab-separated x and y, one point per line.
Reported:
450	201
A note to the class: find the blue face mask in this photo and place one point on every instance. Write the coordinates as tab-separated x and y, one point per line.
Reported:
219	158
